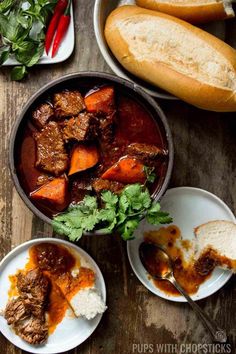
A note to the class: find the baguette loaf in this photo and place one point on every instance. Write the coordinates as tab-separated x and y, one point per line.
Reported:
194	11
216	242
174	55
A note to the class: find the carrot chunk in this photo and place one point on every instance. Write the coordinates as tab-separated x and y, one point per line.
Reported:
126	170
83	157
54	192
101	101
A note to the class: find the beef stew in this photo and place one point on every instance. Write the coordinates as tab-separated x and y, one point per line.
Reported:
117	128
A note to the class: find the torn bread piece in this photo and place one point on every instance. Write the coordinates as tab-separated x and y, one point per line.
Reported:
216	246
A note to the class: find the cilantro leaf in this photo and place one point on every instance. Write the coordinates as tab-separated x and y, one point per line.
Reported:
150	174
123	203
121	212
159	217
127	229
110	199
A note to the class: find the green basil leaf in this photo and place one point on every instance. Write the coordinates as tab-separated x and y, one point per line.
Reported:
18	73
37	55
4	54
6	5
24	20
29	52
3	24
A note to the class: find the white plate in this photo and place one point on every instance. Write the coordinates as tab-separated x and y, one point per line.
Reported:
65	50
71	332
103	8
189	208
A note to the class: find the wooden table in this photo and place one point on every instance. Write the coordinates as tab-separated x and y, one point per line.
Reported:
205	157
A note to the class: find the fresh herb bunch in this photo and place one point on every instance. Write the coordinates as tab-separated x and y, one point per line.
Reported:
121	213
22	26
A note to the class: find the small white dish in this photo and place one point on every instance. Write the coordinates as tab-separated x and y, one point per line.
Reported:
189	208
64	52
72	331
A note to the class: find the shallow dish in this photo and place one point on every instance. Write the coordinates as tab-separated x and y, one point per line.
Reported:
189	207
226	30
64	52
81	81
71	332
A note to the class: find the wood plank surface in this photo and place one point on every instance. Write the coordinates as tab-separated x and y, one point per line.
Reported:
205	157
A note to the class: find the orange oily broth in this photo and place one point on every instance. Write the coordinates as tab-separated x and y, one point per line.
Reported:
13	291
63	285
184	271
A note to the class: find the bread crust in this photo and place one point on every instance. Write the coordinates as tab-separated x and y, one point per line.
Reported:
191	13
193	91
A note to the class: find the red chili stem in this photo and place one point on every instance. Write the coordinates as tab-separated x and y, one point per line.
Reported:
58	11
62	29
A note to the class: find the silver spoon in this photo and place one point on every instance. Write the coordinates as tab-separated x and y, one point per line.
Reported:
158	264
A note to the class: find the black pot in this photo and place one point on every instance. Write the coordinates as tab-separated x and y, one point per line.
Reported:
87	79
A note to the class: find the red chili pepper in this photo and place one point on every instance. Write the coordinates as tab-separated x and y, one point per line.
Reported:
58	11
62	29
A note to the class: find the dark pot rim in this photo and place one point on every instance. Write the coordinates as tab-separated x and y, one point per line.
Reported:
94	74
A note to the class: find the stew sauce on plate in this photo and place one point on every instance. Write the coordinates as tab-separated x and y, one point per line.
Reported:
185	271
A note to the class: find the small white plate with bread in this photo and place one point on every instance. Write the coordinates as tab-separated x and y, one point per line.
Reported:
168	56
52	307
205	223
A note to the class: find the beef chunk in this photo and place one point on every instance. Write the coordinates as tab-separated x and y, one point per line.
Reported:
145	152
16	311
33	284
26	313
51	153
33	330
80	128
42	115
206	262
106	128
68	103
100	185
81	187
102	104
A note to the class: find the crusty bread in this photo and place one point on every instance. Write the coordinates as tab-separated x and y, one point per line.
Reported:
217	240
194	11
174	55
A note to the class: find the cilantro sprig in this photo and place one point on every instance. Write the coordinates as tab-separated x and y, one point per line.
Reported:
110	213
22	26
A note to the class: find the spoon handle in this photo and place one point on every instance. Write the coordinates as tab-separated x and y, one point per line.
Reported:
218	334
